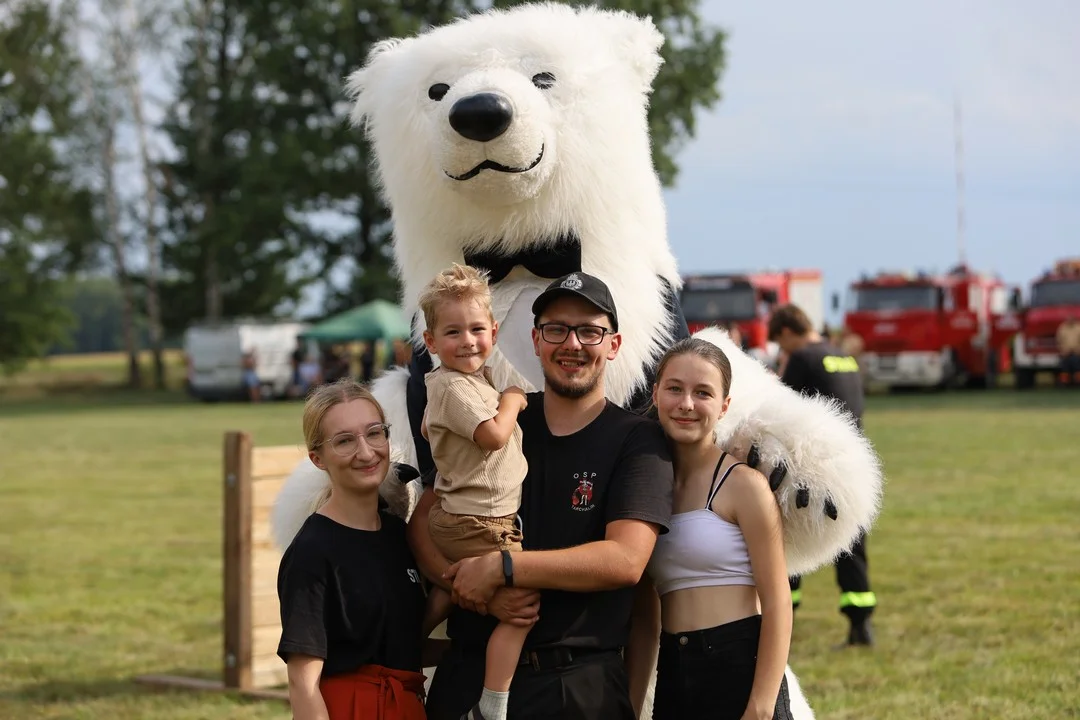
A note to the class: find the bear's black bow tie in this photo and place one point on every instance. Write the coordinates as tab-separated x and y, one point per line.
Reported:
547	261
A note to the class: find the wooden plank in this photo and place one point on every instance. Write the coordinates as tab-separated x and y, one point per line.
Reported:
260	521
237	550
271	677
264	641
261	537
277	461
264	564
268	663
265	611
180	682
264	491
262	584
267	694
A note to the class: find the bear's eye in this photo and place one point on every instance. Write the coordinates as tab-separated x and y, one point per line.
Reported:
543	80
438	91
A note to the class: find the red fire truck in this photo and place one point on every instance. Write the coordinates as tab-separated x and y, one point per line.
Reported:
1054	296
748	299
923	330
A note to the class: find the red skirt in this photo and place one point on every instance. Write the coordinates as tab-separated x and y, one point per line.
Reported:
375	693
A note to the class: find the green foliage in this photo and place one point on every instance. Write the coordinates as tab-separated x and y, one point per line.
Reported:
96	307
46	219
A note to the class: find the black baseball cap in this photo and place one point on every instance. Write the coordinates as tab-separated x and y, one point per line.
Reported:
582	285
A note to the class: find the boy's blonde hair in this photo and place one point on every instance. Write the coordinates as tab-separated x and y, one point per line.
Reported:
459	283
319	403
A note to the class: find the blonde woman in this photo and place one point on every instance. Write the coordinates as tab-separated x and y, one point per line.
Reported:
354	614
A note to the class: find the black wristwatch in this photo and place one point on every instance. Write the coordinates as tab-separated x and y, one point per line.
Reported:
508	568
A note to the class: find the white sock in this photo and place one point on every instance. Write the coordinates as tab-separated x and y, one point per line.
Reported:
493	704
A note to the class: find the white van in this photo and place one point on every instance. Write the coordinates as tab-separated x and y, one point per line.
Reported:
215	357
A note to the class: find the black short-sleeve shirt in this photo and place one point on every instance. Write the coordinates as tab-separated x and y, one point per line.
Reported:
821	368
352	597
617	467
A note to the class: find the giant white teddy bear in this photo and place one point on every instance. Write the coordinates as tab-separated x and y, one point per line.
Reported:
517	141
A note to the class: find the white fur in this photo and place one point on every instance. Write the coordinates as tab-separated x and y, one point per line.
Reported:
595	178
820	445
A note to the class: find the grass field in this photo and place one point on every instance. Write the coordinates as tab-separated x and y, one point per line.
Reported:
62	376
110	560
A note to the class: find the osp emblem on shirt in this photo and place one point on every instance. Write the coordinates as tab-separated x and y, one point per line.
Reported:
582	499
414	575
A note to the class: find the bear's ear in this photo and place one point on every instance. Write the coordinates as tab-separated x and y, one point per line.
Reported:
360	82
637	42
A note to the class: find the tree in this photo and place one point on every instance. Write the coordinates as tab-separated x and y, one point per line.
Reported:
96	305
232	192
46	218
266	154
120	31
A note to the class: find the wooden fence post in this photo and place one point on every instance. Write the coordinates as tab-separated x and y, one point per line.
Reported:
237	520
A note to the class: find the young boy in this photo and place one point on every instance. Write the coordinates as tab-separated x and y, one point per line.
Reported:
476	446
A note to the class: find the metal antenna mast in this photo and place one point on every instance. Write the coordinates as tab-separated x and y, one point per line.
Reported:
959	180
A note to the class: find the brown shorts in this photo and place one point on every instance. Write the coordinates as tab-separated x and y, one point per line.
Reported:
462	536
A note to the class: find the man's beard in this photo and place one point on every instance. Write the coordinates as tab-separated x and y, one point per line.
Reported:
571	392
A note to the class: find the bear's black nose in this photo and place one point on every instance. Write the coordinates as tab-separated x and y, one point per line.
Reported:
481	117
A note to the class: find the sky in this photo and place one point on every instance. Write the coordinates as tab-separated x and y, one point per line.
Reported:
834	144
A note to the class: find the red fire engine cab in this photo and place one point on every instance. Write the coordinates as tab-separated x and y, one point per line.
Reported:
1054	296
922	330
746	300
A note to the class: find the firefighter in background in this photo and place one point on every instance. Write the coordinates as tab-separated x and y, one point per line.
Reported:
814	366
1068	343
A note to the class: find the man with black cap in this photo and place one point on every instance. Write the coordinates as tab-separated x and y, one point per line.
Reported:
597	494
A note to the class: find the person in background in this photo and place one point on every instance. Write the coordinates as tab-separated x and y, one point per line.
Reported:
736	335
310	374
367	361
1068	344
251	378
816	367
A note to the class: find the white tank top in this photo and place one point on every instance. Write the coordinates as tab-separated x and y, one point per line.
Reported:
701	549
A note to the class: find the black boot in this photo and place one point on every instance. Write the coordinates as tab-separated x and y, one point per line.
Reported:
861	633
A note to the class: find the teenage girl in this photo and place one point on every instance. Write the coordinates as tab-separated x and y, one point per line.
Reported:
718	580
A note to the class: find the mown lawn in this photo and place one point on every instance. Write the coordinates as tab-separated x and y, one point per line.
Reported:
110	560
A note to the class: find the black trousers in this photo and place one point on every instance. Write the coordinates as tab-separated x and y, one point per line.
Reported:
591	687
708	674
1070	365
857	599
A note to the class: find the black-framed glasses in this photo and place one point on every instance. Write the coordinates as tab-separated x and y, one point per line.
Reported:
557	333
346	444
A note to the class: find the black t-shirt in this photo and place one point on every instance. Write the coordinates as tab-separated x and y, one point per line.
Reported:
352	597
821	368
617	467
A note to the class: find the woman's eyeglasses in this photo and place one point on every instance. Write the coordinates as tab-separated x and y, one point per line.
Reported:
346	444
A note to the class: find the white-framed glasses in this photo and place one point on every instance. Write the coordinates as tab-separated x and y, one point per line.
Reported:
347	443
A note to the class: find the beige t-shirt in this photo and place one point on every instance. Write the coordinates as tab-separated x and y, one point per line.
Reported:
471	480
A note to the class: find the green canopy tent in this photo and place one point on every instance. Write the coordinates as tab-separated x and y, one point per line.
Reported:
376	320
